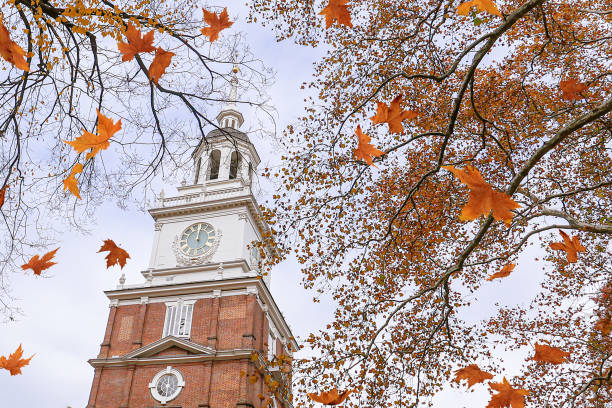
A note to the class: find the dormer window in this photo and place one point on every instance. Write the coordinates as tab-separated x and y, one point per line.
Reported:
178	319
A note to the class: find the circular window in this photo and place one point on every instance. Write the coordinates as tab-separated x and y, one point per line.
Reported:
166	385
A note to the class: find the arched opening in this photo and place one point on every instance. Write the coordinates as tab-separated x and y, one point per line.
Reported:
234	162
197	171
213	167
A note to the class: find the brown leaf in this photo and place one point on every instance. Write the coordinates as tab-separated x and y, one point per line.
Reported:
99	141
116	255
159	64
570	246
473	374
2	194
39	265
216	22
136	43
336	10
11	51
481	5
505	271
365	150
332	397
571	88
393	114
14	363
483	199
548	354
71	183
507	396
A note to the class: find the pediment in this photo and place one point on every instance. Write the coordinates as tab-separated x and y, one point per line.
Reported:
169	346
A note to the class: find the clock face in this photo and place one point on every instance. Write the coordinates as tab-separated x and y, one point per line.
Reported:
167	385
197	239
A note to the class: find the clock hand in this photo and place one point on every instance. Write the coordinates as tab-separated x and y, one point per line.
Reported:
199	228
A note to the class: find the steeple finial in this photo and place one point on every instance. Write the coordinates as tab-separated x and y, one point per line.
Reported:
230	116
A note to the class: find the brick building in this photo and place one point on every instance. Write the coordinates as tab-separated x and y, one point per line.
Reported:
187	335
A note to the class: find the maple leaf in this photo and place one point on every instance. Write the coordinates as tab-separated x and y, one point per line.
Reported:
216	22
14	362
365	150
571	88
136	43
393	114
96	142
2	193
507	396
570	246
159	64
481	5
483	199
336	10
473	374
11	51
505	271
332	397
548	354
70	182
116	255
39	265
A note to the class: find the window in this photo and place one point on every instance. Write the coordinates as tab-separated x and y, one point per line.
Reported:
197	171
215	161
178	319
234	165
271	343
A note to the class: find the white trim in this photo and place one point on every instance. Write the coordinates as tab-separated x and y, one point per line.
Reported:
164	344
153	384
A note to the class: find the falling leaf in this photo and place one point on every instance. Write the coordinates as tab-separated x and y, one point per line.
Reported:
11	51
393	114
2	193
136	43
548	354
505	271
336	10
481	5
332	397
507	396
216	22
70	182
116	255
159	64
473	374
39	265
99	141
365	150
483	199
570	246
14	362
571	88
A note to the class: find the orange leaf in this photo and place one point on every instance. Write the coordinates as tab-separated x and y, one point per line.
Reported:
136	43
571	88
336	10
473	374
70	182
570	246
548	354
96	142
332	397
14	362
253	379
39	265
365	150
393	114
11	51
116	255
507	396
216	22
604	325
483	199
505	271
2	193
159	64
481	5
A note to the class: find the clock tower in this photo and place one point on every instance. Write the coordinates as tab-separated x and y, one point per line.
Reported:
202	328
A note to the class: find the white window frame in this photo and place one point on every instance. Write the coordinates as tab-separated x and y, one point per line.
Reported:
175	313
272	336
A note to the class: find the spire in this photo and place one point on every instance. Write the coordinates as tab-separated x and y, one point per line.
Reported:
230	116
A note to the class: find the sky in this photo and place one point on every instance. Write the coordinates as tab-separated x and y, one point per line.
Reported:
65	312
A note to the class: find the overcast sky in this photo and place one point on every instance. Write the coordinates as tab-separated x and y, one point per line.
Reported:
65	313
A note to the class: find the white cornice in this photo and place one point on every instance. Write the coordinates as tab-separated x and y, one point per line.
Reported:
172	359
165	343
211	266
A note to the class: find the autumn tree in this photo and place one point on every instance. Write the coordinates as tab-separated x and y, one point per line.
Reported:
445	137
97	98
